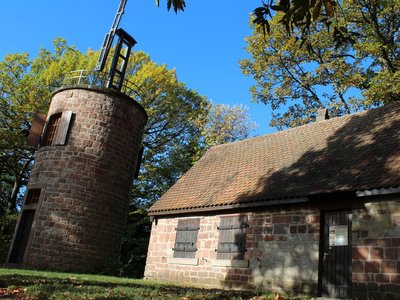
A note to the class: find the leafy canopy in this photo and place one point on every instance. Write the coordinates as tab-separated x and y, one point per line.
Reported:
295	81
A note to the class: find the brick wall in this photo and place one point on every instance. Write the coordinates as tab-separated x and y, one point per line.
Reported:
85	185
282	252
376	250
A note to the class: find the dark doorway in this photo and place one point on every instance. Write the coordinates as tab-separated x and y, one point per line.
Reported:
335	272
22	236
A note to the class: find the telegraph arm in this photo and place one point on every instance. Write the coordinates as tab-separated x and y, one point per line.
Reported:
108	39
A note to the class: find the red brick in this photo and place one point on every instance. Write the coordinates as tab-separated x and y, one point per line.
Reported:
360	252
382	278
395	279
395	242
250	237
360	277
313	229
391	253
302	229
389	267
268	229
268	238
237	271
235	277
370	242
372	267
258	230
282	219
247	271
376	253
383	242
358	266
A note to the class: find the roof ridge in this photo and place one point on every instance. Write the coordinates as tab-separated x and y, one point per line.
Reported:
300	127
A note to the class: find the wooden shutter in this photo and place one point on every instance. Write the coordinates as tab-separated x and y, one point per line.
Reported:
232	237
62	130
186	238
36	129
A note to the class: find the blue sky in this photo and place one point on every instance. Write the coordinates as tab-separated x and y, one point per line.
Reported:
204	44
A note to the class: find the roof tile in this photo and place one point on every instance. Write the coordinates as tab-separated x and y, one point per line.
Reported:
350	153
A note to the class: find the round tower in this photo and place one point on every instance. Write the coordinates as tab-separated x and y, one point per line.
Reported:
77	197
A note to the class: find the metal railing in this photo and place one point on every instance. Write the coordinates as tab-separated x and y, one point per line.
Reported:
100	79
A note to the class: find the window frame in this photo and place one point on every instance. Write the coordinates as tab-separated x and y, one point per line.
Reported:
51	129
33	196
57	129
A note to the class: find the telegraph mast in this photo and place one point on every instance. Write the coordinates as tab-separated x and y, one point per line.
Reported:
109	37
120	60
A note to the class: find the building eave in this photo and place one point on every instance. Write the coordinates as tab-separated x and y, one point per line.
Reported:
229	206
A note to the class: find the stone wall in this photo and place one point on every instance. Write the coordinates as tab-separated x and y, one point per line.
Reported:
85	184
376	250
282	252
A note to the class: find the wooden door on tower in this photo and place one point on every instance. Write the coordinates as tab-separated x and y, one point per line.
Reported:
335	281
22	237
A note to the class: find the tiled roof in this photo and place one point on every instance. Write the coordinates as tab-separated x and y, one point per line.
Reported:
351	153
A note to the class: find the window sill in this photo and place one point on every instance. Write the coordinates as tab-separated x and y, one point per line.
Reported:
236	263
183	261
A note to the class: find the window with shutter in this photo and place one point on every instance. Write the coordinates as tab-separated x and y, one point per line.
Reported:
186	238
33	196
57	129
51	129
232	237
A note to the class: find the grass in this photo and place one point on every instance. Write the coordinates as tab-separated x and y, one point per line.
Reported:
35	285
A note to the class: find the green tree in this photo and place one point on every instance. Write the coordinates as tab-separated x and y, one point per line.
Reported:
375	26
296	81
226	124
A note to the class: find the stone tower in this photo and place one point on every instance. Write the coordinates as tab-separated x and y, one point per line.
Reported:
77	196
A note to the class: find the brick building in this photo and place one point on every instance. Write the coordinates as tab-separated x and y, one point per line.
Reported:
314	209
77	196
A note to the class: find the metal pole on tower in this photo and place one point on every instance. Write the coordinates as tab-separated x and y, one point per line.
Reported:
109	37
